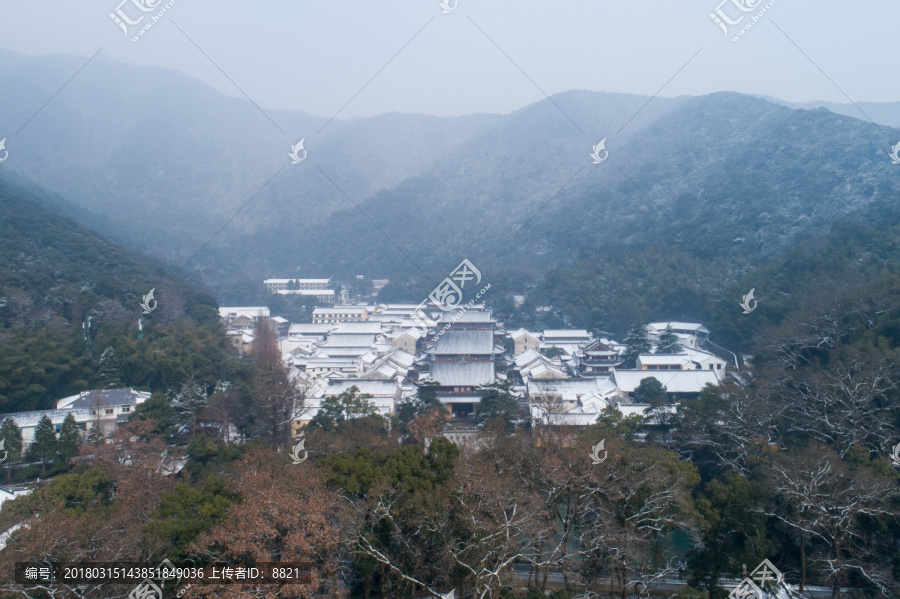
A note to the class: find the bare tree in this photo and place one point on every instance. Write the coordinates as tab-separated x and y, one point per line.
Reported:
485	523
845	403
276	394
288	516
834	507
637	498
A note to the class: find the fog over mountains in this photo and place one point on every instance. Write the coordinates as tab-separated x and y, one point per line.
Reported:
161	162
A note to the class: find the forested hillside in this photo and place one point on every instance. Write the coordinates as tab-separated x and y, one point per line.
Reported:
724	176
55	275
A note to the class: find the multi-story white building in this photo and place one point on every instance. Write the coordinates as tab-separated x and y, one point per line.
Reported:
104	407
340	314
276	285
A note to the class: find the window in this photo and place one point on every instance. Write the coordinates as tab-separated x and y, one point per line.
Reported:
126	408
110	410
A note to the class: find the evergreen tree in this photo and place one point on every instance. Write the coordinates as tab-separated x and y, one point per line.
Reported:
45	444
11	438
336	409
668	343
109	373
159	409
497	403
69	438
424	402
187	403
636	343
652	392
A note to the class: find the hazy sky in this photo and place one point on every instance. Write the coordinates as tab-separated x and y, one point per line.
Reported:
314	55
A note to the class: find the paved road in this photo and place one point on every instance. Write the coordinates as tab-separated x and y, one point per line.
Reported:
665	586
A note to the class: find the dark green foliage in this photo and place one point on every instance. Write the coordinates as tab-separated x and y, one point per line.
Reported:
611	421
11	436
207	457
426	400
83	490
336	409
53	274
651	391
406	469
636	343
735	528
187	512
44	445
497	404
668	342
158	409
69	438
109	371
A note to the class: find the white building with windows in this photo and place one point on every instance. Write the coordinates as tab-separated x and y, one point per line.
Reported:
340	314
687	359
276	285
107	408
691	334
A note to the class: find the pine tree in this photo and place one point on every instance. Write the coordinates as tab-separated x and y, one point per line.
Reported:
651	392
668	342
636	343
69	438
110	372
11	438
497	403
187	403
337	409
45	444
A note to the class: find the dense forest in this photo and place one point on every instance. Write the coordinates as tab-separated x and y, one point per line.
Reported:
55	276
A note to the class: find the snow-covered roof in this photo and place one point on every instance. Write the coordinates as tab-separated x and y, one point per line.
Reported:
366	341
31	419
124	396
463	374
249	312
301	281
344	352
464	343
472	315
675	381
566	334
567	389
309	292
375	388
303	328
357	328
679	326
341	310
527	357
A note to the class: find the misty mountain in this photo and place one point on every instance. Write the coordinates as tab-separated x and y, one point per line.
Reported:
719	175
55	273
883	113
165	163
